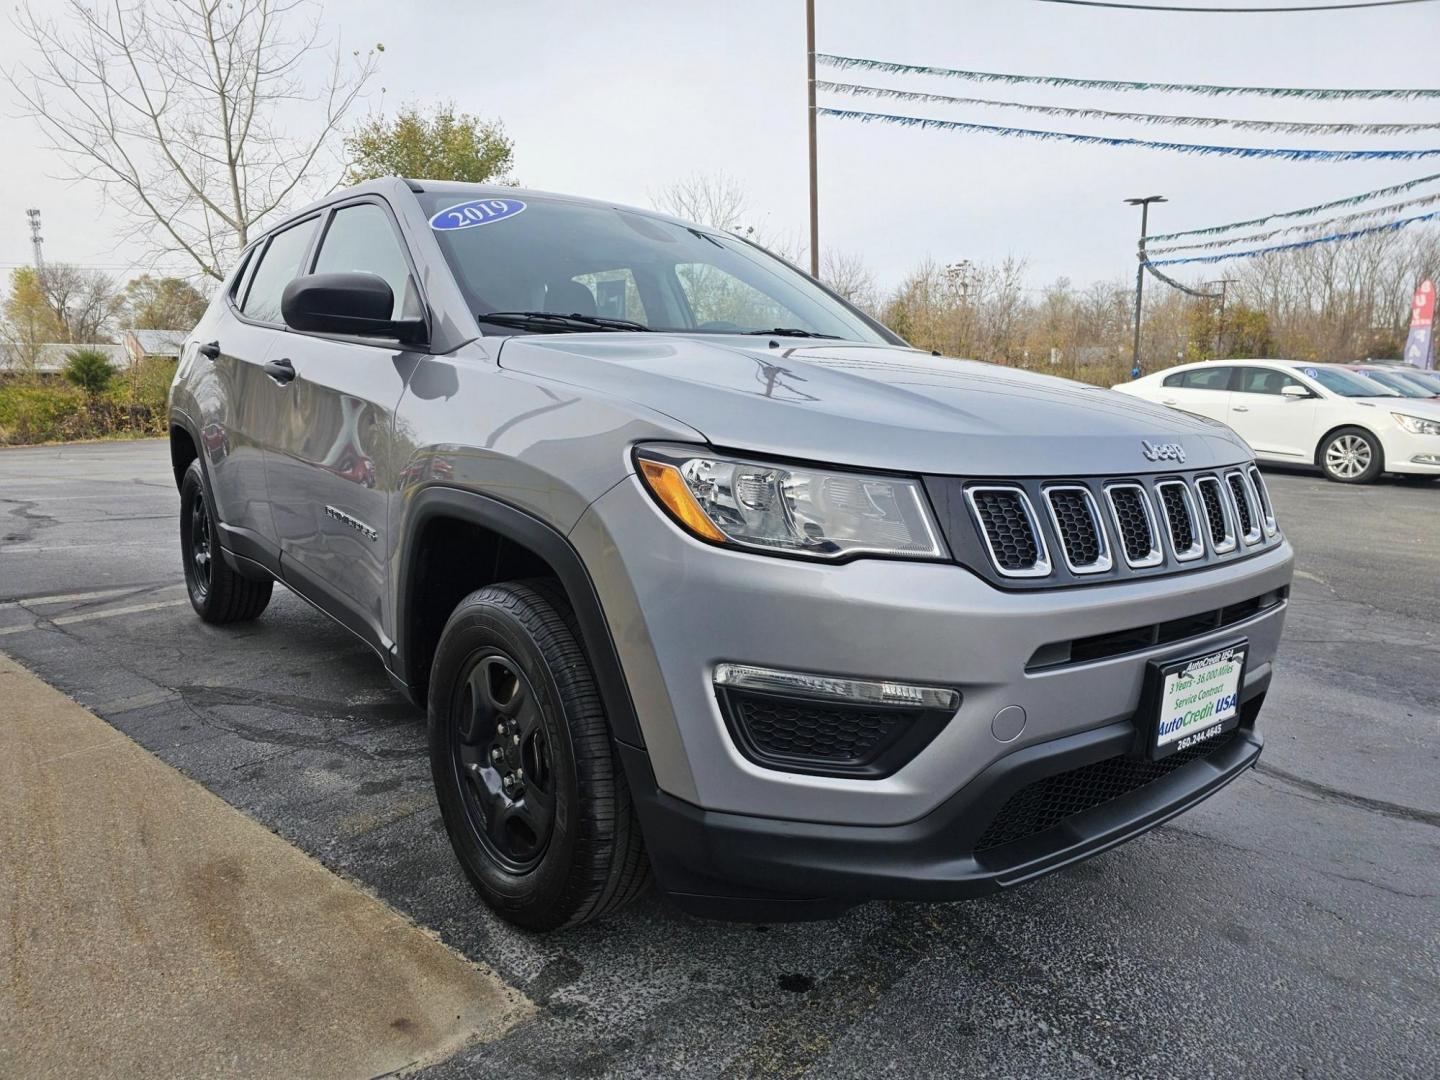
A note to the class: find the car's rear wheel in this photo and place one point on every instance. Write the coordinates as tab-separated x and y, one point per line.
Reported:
218	593
1351	456
530	788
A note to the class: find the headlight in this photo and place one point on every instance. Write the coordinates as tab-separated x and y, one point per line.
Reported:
1417	425
794	510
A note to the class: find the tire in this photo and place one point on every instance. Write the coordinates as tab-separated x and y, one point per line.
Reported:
1351	455
530	788
218	593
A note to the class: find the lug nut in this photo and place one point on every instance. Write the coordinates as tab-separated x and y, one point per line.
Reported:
514	740
519	775
495	754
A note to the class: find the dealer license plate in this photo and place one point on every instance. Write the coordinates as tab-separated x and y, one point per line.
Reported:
1195	700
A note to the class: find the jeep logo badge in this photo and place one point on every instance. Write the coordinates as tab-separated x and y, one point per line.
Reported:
1166	451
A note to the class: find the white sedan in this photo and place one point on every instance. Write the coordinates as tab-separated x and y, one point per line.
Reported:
1312	414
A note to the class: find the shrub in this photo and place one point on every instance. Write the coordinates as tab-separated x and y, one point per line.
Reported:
89	369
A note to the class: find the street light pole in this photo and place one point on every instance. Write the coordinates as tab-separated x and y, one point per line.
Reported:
1144	204
814	181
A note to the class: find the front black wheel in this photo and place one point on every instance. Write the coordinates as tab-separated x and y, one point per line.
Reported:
218	593
530	788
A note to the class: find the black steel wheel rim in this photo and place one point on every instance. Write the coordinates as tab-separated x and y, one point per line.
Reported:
501	755
201	548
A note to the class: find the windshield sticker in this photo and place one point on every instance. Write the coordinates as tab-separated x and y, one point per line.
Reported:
1311	372
467	215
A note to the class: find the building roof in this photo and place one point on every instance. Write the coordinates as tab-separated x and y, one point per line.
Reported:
51	357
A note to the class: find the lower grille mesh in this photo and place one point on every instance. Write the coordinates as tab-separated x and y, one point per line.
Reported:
1049	801
794	729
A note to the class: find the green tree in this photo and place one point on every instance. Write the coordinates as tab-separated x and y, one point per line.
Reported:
163	303
445	145
89	369
26	319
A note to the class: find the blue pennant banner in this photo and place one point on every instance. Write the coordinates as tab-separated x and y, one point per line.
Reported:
1288	154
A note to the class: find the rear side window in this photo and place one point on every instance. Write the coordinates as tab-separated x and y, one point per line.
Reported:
280	263
1254	380
361	239
1217	378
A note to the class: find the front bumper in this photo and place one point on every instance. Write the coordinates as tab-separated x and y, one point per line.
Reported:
760	869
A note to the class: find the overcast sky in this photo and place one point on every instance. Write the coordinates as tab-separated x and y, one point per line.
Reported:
616	100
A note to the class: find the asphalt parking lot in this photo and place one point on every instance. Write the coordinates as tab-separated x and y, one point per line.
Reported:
1287	927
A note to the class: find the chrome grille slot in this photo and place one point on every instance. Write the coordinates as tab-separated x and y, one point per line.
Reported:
1217	514
1134	524
1181	521
1262	496
1010	529
1077	524
1244	507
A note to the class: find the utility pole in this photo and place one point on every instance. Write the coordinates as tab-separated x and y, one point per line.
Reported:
1224	283
1144	204
35	238
814	179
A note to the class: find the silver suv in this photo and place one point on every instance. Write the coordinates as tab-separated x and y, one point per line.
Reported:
702	573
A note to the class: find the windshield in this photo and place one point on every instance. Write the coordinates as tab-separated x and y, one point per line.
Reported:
526	254
1400	382
1428	379
1347	383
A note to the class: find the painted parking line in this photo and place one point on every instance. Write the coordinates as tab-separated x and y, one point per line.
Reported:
207	944
91	616
71	598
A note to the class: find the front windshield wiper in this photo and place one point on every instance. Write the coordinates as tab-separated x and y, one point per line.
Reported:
574	320
792	331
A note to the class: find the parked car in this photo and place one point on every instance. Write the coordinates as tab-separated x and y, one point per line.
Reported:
1349	426
700	571
1406	381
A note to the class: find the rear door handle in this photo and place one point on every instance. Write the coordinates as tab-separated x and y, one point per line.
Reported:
1242	408
1167	401
210	351
282	371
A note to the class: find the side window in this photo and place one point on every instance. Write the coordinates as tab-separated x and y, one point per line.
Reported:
360	238
1207	378
616	294
1178	379
1255	380
242	280
279	264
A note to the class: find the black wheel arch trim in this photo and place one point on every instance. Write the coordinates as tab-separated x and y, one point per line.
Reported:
522	528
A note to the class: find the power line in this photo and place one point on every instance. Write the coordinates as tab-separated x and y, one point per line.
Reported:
1211	90
1285	153
1236	10
1304	211
1294	126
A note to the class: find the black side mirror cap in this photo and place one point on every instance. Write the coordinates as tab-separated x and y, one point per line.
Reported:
346	303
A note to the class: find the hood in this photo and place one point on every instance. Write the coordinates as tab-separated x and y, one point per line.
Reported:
875	406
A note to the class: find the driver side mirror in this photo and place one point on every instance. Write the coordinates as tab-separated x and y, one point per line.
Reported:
1295	393
347	303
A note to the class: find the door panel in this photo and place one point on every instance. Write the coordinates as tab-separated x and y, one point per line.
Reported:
329	471
1204	391
1274	425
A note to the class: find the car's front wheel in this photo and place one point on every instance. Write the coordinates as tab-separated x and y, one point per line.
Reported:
1351	455
218	593
530	787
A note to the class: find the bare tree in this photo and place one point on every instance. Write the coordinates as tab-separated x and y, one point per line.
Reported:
847	274
85	302
717	201
187	111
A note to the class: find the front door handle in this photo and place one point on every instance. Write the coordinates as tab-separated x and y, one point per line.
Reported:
1167	401
210	351
1242	408
282	371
